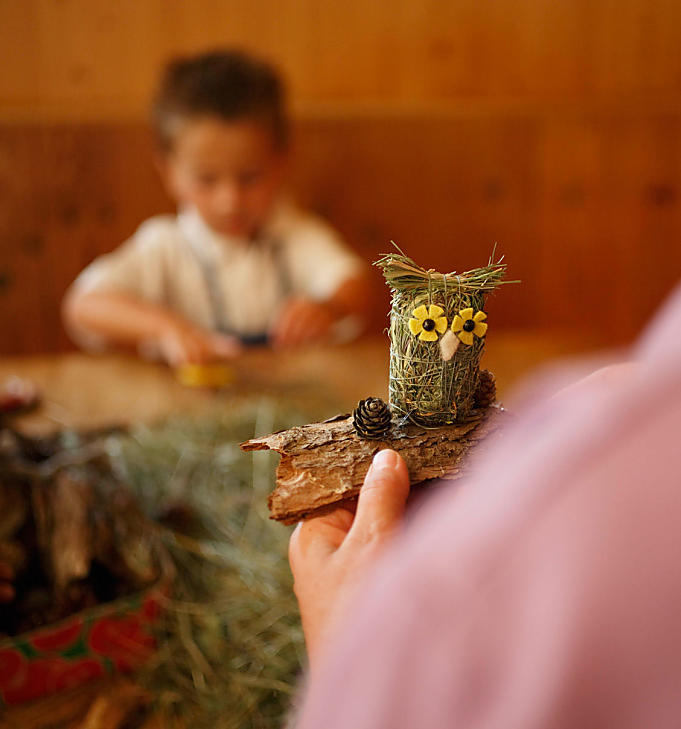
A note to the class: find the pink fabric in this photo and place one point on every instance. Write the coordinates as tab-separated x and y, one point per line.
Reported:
545	591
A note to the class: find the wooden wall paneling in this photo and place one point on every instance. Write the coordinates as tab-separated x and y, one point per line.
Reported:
573	271
104	186
649	171
586	209
97	59
138	192
631	47
82	190
616	240
663	198
73	57
24	191
444	190
498	168
69	193
20	52
620	244
610	211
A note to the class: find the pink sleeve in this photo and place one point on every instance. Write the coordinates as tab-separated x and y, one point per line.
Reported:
544	592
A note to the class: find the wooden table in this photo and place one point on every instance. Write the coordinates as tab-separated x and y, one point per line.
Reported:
83	391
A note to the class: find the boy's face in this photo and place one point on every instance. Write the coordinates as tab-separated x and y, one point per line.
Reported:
230	171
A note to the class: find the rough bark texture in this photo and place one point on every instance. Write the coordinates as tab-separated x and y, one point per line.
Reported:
74	534
323	464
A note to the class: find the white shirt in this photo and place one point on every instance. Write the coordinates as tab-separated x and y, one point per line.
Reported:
169	260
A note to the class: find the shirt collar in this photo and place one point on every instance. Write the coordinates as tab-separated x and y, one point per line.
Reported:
202	238
206	240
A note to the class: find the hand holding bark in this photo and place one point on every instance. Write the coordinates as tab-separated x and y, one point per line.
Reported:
330	554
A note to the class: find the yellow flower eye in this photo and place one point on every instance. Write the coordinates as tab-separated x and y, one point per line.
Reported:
468	324
428	322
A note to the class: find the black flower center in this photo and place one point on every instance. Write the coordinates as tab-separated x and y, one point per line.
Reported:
469	325
428	325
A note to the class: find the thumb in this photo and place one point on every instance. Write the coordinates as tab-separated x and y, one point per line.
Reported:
383	497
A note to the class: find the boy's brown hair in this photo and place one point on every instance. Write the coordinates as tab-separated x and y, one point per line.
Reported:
231	85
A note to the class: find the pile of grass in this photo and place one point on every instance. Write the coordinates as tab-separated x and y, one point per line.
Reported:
423	387
230	640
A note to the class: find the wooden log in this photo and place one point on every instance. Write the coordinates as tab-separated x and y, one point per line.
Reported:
64	531
323	464
117	707
62	710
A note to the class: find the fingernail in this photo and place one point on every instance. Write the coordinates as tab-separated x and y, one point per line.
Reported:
385	460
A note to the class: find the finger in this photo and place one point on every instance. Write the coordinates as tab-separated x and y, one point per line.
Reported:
318	331
309	327
226	347
383	497
199	350
293	331
279	331
304	327
174	354
186	348
317	538
188	355
314	322
288	323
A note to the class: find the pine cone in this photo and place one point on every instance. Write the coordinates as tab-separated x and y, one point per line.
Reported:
372	418
486	391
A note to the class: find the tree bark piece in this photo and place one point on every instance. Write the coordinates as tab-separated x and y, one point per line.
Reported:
115	708
61	512
323	464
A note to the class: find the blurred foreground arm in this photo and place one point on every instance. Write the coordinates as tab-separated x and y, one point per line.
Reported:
543	591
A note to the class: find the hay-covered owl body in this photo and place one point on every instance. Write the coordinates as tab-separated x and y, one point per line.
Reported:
437	335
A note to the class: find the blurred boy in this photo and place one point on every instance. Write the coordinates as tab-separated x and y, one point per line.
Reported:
238	265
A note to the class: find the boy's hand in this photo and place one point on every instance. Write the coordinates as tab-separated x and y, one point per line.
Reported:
329	554
302	320
181	343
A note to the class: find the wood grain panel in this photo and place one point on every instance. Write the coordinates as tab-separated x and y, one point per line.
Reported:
95	59
444	190
69	194
586	209
23	239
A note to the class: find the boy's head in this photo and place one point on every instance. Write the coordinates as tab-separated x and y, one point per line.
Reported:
221	123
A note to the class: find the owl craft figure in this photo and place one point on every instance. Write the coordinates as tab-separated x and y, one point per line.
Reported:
438	328
442	406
